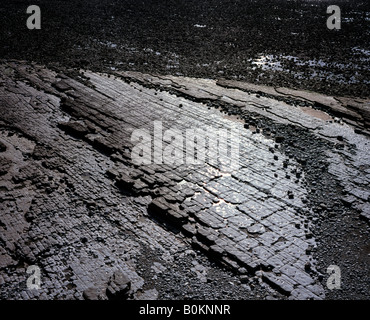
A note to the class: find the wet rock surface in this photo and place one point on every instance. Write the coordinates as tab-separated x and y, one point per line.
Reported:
100	226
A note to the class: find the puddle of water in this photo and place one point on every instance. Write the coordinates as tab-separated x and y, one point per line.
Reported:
318	68
268	62
200	25
361	51
316	113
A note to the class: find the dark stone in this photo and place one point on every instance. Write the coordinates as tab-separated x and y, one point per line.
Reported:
2	147
74	128
158	206
207	236
216	250
101	145
91	294
189	229
177	217
124	182
111	173
244	279
5	165
307	266
119	286
61	86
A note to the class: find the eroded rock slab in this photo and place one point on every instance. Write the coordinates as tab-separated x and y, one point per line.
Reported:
85	209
